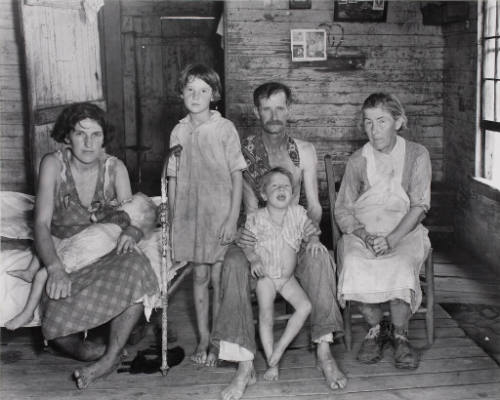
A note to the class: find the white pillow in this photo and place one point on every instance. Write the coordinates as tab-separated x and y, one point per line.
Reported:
16	215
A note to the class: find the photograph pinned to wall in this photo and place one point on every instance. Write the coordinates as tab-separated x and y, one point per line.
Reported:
308	44
360	10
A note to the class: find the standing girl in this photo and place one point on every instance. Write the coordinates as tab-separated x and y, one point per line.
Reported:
207	190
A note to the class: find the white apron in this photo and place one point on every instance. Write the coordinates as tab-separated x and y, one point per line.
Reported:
365	277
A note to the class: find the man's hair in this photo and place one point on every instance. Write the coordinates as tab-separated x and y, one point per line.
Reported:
206	74
76	112
388	102
266	90
264	179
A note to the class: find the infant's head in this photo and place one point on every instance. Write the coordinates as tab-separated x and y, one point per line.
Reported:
142	212
276	187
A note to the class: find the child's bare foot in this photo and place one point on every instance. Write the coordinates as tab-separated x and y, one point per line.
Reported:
100	369
200	354
272	374
275	357
335	378
19	320
245	376
211	359
26	275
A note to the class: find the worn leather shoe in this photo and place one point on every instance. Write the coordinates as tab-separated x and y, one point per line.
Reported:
405	356
372	346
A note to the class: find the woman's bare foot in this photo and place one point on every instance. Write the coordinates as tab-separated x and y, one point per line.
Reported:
19	320
100	369
245	376
272	374
335	378
26	275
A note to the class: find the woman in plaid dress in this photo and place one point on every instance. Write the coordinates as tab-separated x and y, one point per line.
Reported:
72	183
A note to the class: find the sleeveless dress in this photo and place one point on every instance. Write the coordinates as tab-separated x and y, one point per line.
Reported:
104	289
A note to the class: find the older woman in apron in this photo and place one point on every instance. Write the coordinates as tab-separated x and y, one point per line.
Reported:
384	195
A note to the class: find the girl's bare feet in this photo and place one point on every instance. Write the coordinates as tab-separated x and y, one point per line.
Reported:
200	354
211	358
245	376
272	374
26	275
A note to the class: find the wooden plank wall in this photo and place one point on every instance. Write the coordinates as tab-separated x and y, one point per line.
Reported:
477	216
402	56
14	158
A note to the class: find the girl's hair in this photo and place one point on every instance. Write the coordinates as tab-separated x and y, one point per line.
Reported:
264	179
206	74
76	112
388	102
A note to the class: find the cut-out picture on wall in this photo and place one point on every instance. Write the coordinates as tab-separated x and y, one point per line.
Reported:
308	44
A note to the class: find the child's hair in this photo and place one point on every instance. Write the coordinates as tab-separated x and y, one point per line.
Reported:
267	89
388	102
206	74
76	112
142	212
264	179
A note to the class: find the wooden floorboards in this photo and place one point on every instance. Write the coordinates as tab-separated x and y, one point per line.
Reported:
453	368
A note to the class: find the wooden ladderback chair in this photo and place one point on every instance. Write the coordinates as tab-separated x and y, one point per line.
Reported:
335	167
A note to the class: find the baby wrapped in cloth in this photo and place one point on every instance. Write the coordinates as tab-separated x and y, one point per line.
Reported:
137	216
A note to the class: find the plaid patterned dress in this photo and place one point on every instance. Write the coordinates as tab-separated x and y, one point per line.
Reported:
106	288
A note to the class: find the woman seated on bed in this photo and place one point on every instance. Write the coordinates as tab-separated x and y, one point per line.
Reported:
384	196
72	183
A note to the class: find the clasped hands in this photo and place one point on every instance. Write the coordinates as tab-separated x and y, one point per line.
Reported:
378	245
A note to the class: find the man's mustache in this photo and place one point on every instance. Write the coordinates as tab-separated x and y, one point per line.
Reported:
273	122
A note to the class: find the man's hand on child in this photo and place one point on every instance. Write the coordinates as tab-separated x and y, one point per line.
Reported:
245	238
315	247
257	269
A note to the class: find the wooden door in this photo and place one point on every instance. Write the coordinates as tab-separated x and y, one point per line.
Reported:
156	47
61	41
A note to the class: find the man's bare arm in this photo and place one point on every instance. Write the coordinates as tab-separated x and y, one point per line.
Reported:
310	176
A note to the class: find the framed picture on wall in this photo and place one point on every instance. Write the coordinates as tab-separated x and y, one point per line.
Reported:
360	10
308	44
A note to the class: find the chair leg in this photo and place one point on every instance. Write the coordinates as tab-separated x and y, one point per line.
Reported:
347	326
429	316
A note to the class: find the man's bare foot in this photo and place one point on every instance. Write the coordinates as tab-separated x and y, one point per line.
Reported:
100	369
245	376
335	378
272	374
26	275
19	320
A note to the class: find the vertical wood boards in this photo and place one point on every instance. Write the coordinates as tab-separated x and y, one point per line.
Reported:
63	65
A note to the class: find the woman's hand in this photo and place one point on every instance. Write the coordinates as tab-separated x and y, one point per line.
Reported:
381	245
314	246
246	238
58	282
125	244
227	232
257	269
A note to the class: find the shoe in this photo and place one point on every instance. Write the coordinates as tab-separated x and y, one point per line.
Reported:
372	346
405	356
